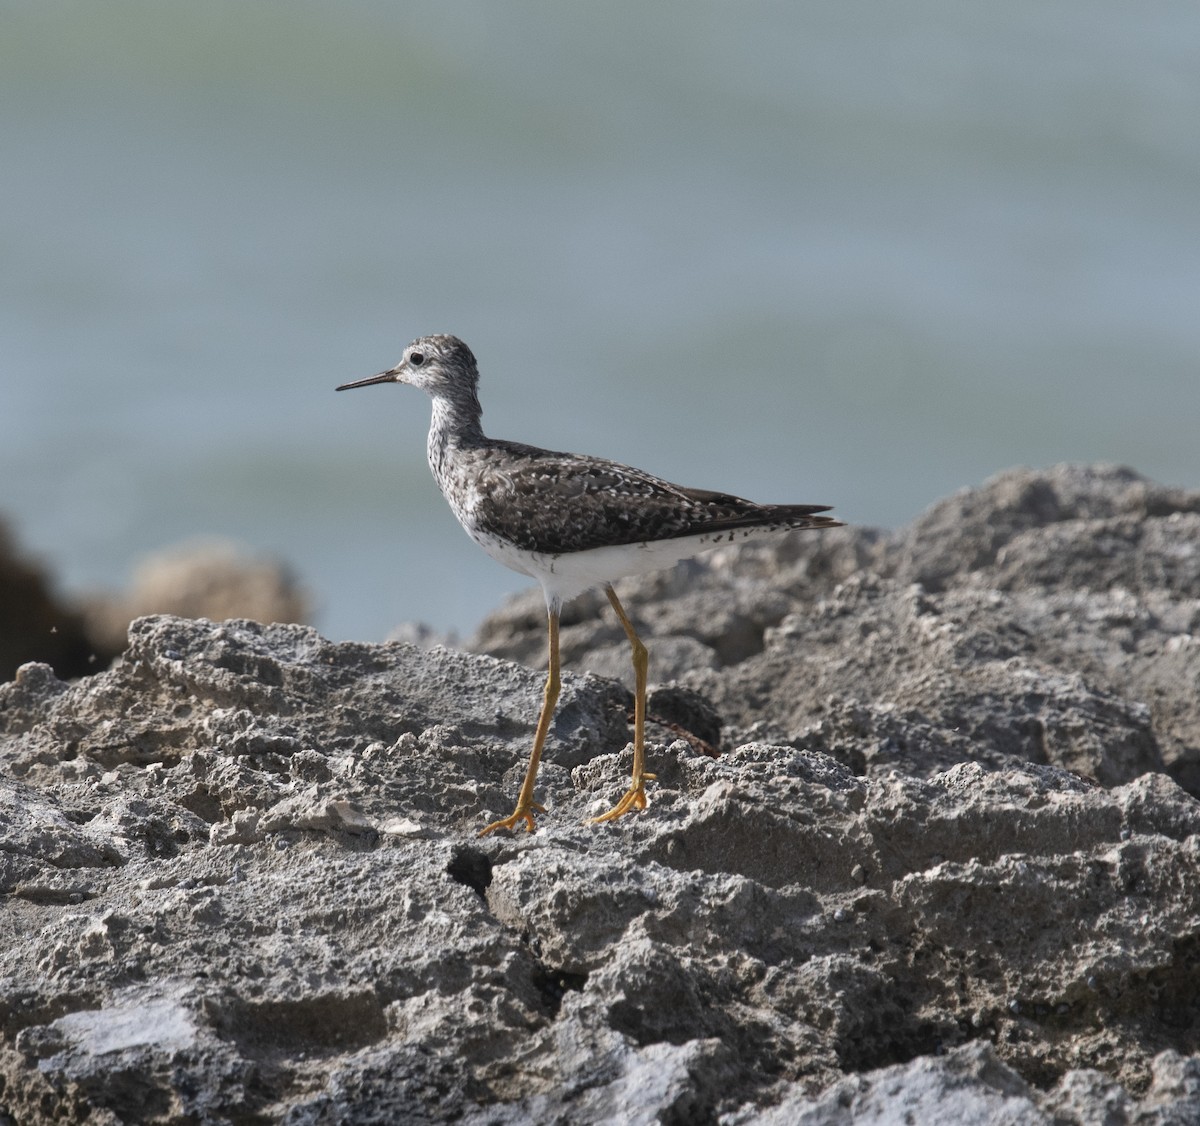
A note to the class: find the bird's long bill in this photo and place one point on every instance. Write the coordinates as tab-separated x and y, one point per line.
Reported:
382	377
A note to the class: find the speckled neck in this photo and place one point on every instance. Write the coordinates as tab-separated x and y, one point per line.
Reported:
455	426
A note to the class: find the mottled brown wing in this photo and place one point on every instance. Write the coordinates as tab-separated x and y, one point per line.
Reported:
557	503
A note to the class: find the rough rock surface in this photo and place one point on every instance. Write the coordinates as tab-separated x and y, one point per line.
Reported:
946	869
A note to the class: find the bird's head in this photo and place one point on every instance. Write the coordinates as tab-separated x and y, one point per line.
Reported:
442	366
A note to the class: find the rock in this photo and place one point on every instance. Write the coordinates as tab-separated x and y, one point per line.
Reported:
37	625
968	1086
946	869
968	533
200	579
213	579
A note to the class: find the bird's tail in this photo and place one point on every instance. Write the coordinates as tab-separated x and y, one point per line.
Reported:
803	515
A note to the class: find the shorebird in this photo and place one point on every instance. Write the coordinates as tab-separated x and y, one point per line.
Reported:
570	521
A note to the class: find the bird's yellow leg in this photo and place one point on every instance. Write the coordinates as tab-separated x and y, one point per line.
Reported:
635	796
525	803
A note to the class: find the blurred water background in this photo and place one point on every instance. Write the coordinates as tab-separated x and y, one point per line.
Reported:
841	252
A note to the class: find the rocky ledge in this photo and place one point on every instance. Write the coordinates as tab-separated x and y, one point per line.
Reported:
923	846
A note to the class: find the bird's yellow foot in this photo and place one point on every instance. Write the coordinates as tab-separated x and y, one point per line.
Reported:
633	798
521	813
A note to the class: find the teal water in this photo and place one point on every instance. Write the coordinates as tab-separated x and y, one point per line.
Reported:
839	252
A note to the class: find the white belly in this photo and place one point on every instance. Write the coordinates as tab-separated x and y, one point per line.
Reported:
569	574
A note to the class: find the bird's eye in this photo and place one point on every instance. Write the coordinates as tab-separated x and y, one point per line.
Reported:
416	359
